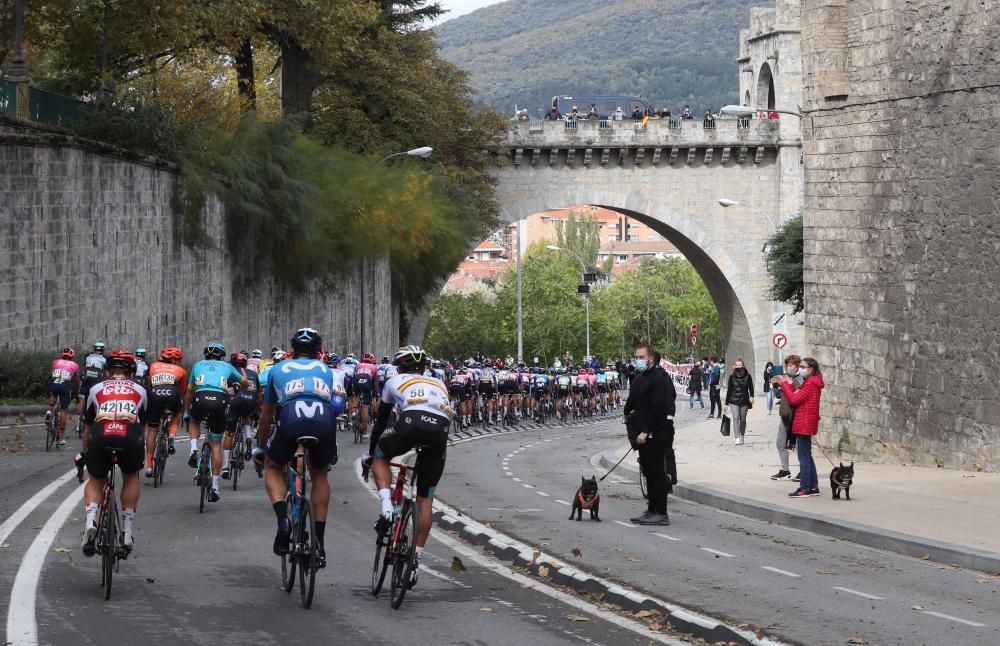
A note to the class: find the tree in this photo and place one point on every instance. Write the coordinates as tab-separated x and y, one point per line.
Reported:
581	235
784	264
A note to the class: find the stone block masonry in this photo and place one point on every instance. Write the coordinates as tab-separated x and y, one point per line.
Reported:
90	249
902	233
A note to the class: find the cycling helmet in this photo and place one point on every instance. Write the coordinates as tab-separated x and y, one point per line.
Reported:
306	341
350	355
287	355
140	353
68	354
171	354
333	359
239	359
385	359
277	354
98	346
121	359
215	351
410	358
274	349
256	354
368	358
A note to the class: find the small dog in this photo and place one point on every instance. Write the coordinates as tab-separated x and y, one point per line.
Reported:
586	498
841	478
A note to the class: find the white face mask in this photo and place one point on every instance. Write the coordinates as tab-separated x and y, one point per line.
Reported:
792	370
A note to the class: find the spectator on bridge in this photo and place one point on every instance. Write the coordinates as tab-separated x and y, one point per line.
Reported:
714	386
593	112
805	423
637	114
574	114
694	386
618	115
553	114
709	121
785	439
665	112
649	413
687	113
739	397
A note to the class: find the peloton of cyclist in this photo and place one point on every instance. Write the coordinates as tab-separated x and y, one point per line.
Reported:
242	407
166	384
63	385
115	413
424	416
301	397
206	401
365	376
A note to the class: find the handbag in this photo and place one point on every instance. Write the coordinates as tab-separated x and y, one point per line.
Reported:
725	425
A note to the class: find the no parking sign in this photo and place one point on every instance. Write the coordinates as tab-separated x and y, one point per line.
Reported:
779	341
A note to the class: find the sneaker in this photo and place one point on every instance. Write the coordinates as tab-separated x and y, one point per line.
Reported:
149	473
655	519
711	417
782	475
799	493
281	540
89	535
170	446
797	478
213	495
226	473
814	491
638	520
128	543
61	442
193	460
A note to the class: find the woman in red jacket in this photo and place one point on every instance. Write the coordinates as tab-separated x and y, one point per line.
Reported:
805	424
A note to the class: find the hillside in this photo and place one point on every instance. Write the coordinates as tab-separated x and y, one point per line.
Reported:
526	51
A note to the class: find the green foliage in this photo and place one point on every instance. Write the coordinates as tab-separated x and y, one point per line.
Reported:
657	302
581	236
150	130
675	51
784	264
24	375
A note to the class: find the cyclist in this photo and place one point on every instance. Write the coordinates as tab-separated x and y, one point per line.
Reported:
564	384
141	368
383	369
166	384
206	400
115	415
601	380
460	389
487	388
301	396
507	378
254	360
242	406
93	371
64	384
540	385
365	374
426	398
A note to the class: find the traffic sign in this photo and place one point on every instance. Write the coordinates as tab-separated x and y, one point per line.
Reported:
779	341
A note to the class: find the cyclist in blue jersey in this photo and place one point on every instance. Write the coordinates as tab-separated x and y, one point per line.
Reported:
207	399
302	396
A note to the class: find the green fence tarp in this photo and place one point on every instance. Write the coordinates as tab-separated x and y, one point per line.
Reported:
8	98
45	107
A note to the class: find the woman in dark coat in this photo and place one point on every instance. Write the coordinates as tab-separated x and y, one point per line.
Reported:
768	391
739	396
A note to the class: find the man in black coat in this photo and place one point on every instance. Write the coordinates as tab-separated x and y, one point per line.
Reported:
649	415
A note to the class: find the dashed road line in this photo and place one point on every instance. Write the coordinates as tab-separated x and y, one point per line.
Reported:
781	572
941	615
528	486
669	538
542	493
563	502
516	479
858	593
718	553
624	524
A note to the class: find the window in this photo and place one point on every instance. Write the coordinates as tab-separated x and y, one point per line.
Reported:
612	238
611	225
632	225
622	258
653	237
633	238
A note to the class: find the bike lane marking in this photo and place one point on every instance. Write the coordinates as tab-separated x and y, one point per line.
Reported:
8	526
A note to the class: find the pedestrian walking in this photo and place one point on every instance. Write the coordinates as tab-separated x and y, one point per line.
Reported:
649	414
785	440
694	387
714	384
805	425
739	397
768	390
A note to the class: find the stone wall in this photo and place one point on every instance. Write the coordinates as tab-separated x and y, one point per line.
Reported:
90	249
902	227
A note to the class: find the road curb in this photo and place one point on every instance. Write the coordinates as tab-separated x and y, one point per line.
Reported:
878	538
555	570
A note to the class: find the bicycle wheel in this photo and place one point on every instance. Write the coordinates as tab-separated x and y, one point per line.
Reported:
50	432
204	475
109	556
307	553
406	546
642	484
236	462
164	451
288	560
381	564
356	423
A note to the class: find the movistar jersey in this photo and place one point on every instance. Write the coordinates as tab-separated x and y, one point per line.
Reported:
299	379
212	374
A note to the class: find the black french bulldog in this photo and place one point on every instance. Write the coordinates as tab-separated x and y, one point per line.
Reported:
586	498
842	477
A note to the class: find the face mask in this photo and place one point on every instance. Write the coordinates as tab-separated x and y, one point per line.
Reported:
792	370
641	365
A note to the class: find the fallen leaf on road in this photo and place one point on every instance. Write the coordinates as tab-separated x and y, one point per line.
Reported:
977	580
856	640
487	610
468	484
826	571
150	579
642	614
917	607
457	565
925	557
655	626
631	558
61	550
6	545
576	552
577	618
535	555
543	571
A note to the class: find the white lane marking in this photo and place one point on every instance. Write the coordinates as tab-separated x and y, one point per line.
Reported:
941	615
22	629
563	502
528	486
858	593
669	538
782	572
443	577
624	524
542	493
8	526
717	552
516	479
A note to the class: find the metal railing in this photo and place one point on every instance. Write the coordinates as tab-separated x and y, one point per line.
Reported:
46	107
8	98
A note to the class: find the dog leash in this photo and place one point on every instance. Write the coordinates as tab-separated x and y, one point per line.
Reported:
616	465
823	451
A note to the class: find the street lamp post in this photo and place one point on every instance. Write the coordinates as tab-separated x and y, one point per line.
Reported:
586	298
18	66
743	111
520	315
423	153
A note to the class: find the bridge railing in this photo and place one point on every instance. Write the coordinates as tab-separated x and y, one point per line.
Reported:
597	132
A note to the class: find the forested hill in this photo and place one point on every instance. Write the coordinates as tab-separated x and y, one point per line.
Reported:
526	51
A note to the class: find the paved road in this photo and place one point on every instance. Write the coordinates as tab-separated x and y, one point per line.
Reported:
211	579
798	586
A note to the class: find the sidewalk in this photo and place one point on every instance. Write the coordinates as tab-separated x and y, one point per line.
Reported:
952	516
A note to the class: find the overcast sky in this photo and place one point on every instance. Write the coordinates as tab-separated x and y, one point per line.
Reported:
457	8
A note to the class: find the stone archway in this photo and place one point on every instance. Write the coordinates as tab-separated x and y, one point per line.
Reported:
765	87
